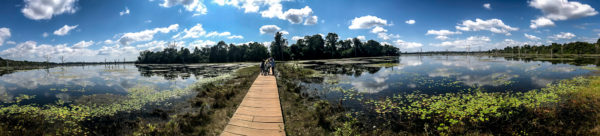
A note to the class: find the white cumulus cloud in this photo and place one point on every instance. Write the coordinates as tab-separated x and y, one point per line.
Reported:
312	20
296	38
126	12
464	43
83	44
378	29
201	43
45	9
189	5
563	9
295	16
442	34
269	29
193	32
386	36
145	35
559	10
487	6
64	30
214	34
273	9
117	52
367	22
4	34
376	23
492	25
410	21
362	38
235	37
198	31
541	22
531	37
283	32
562	35
31	50
153	45
407	45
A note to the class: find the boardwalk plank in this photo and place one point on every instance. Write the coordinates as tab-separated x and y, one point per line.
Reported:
260	113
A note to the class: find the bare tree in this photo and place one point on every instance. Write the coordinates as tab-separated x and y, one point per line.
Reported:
62	59
47	57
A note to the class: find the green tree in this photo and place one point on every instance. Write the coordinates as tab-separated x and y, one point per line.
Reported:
330	47
278	47
357	46
184	55
597	45
257	52
310	47
315	47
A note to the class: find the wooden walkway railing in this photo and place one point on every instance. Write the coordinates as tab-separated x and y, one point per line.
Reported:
259	114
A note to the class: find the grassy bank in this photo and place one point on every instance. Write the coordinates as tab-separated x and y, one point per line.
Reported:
305	114
204	114
570	107
214	104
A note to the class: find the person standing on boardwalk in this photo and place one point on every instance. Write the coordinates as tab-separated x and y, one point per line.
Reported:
262	68
273	66
267	66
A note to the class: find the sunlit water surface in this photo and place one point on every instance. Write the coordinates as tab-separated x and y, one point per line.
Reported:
69	83
436	74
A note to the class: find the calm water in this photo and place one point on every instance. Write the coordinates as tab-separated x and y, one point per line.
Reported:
436	74
70	83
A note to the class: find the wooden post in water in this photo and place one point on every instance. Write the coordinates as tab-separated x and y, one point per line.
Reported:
468	49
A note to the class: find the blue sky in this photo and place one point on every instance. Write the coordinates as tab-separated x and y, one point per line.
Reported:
94	30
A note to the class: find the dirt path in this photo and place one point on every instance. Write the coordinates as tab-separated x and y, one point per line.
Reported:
259	114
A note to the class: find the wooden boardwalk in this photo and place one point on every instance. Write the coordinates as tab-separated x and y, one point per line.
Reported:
259	114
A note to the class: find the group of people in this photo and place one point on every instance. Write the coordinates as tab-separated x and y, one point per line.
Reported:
265	66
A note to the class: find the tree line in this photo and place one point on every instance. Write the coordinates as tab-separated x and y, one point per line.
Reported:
315	47
310	47
554	48
218	53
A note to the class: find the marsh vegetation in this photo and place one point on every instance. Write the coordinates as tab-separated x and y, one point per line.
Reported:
411	94
122	99
440	95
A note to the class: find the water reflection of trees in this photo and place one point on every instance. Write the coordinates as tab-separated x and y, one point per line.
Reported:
578	61
355	70
183	72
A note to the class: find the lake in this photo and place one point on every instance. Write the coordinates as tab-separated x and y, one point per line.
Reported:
95	84
436	74
374	77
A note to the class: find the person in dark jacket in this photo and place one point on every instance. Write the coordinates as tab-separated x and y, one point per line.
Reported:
262	68
273	65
